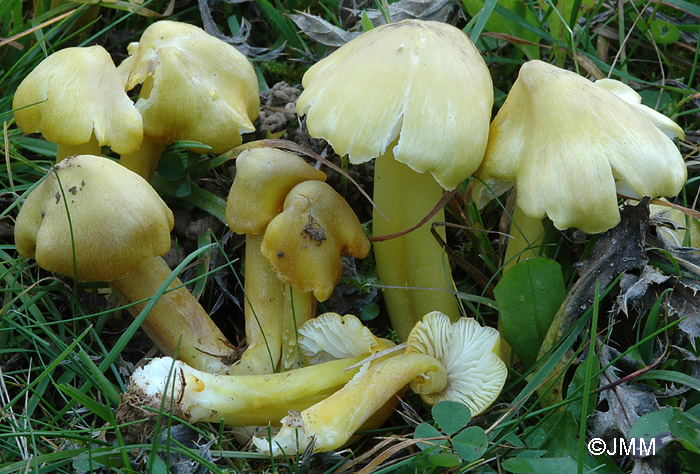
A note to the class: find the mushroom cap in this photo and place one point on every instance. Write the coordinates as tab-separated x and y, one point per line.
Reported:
118	220
331	336
475	373
75	93
195	86
305	241
264	177
569	145
421	81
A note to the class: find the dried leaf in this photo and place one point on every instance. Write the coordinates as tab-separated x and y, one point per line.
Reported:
322	31
433	10
685	302
633	288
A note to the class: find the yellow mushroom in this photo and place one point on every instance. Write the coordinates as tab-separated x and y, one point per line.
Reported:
117	230
264	177
417	96
443	361
194	87
77	99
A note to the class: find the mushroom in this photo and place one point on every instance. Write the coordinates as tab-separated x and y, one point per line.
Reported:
443	361
97	221
76	99
304	245
241	400
264	177
417	96
570	145
194	87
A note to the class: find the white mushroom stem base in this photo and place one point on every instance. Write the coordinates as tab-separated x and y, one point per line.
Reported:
177	322
335	419
238	400
414	260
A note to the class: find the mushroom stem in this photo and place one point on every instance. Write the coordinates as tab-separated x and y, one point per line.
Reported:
527	233
177	322
299	307
414	260
264	308
335	419
238	400
144	161
90	148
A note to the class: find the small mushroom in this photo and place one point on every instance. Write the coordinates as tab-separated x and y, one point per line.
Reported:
264	176
417	96
76	99
304	244
194	87
442	361
102	222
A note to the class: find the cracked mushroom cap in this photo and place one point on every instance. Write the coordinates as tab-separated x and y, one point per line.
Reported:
118	220
570	145
264	177
195	86
468	351
305	241
422	82
75	93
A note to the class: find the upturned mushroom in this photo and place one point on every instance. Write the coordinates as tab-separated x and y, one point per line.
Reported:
443	361
193	87
304	245
417	96
94	220
569	145
242	400
77	99
264	177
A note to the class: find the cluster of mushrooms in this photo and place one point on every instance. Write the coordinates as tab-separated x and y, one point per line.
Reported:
417	97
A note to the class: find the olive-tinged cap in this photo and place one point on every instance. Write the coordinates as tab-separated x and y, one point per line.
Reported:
475	373
75	93
304	243
118	220
264	177
195	86
569	145
422	82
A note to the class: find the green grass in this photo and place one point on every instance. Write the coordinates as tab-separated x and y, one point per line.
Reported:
66	353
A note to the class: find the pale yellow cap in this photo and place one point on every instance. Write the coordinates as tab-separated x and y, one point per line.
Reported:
118	220
570	145
75	93
195	86
422	82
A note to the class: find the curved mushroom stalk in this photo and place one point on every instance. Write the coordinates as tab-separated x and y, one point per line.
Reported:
195	87
304	244
264	177
332	421
76	99
117	229
443	361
